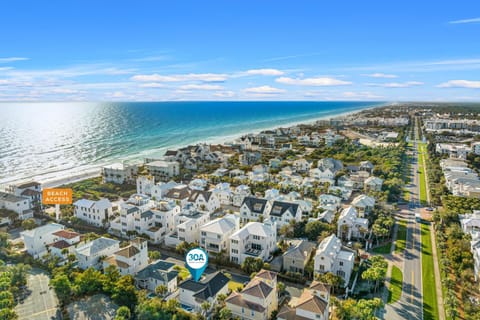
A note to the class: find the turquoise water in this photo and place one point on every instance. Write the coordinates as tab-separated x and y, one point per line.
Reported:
50	139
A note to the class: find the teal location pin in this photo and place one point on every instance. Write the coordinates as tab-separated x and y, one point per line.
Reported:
197	261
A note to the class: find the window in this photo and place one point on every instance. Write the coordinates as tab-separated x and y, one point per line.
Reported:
341	263
321	267
341	273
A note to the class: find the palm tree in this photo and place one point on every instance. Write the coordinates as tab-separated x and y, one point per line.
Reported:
205	307
161	290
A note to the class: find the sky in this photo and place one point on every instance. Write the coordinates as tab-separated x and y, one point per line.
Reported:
240	50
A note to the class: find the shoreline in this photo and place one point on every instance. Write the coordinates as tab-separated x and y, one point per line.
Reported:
92	172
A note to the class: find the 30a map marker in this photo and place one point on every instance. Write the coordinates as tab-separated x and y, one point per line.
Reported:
197	261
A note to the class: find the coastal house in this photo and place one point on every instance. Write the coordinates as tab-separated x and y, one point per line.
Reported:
21	205
330	163
187	226
193	294
239	194
119	173
130	259
322	175
249	158
31	190
204	200
343	192
215	235
366	166
312	304
96	213
159	273
297	255
331	257
282	212
64	243
350	225
224	194
301	165
255	239
258	300
91	253
163	170
37	240
329	201
145	184
373	184
254	209
363	204
180	194
458	151
198	184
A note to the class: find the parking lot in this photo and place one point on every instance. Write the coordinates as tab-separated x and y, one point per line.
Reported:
40	302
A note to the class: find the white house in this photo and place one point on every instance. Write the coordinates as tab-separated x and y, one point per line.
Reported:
363	204
330	257
204	200
193	294
254	209
350	225
20	205
215	235
96	213
301	165
282	213
31	190
239	194
145	185
223	192
373	184
91	253
37	240
157	274
179	194
255	239
119	173
187	226
328	200
64	243
323	176
130	259
163	170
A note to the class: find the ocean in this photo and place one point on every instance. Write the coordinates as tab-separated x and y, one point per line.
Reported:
45	141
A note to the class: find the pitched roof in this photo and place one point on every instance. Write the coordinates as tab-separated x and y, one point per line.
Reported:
266	274
255	204
66	234
114	262
195	193
279	208
178	193
46	229
158	270
62	244
29	192
238	300
96	246
257	288
29	185
220	225
312	303
206	288
128	251
320	286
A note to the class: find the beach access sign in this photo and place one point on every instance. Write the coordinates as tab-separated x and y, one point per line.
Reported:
57	196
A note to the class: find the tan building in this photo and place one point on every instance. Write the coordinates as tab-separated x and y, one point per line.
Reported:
312	304
298	255
257	300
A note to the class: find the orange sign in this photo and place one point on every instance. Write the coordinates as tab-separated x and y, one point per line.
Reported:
57	196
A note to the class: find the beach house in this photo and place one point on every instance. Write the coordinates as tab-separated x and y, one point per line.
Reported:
96	213
331	257
215	235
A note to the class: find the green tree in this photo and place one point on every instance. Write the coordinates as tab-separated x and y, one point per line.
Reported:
251	265
29	224
225	314
154	255
62	286
123	313
161	290
89	282
124	292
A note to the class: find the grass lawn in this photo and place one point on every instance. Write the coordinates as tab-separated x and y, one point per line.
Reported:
430	308
396	283
401	236
233	285
94	189
385	249
423	181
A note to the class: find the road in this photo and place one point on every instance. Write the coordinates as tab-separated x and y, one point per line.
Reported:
410	305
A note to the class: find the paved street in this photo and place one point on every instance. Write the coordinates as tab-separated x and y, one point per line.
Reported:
41	302
410	305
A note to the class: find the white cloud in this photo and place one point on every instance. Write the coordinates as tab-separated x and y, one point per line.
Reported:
316	81
381	75
361	95
396	84
264	90
460	84
264	72
205	77
472	20
201	87
224	94
152	85
12	59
